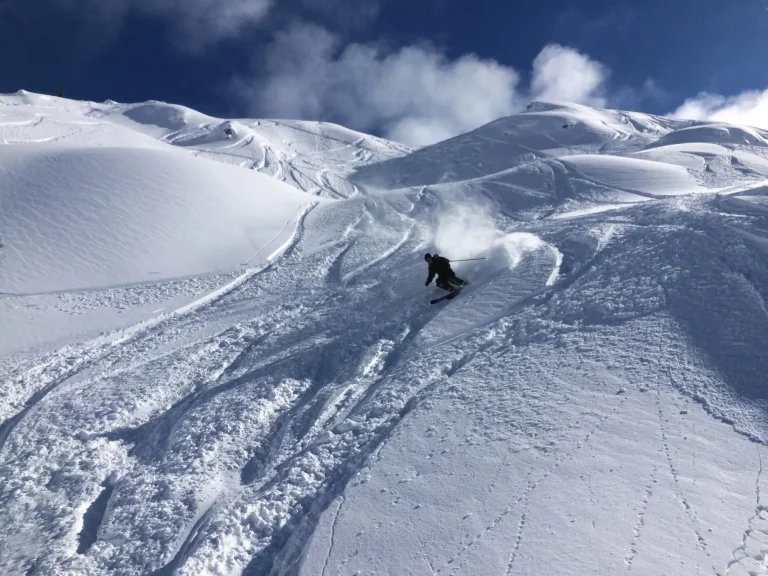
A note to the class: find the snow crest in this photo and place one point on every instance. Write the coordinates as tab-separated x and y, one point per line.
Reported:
218	354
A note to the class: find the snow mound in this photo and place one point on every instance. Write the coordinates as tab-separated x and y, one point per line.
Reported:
753	201
712	158
312	156
545	130
691	155
642	177
70	126
279	420
592	180
712	133
167	116
88	217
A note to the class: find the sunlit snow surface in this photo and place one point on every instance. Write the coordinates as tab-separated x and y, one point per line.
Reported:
218	355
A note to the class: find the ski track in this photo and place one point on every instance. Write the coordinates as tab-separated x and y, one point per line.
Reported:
366	392
228	427
333	535
638	529
386	254
692	516
67	363
751	557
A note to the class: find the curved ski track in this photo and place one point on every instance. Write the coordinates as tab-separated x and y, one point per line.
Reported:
275	393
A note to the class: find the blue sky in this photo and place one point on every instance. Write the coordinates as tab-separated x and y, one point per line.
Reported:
415	71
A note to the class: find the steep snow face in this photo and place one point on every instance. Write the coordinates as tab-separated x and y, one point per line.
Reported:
312	156
716	134
566	158
545	130
97	202
642	177
96	217
282	399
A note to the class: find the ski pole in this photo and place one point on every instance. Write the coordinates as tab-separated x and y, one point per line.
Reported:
468	259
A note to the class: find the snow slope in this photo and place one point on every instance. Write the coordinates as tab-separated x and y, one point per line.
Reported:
284	400
77	218
546	130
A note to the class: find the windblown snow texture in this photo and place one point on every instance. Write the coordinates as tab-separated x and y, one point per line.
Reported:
218	355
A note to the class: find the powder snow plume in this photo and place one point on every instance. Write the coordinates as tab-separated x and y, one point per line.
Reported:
465	230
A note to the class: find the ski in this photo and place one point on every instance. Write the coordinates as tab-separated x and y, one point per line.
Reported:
449	296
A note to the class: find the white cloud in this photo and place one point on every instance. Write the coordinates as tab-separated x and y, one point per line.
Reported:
564	74
415	94
209	19
748	108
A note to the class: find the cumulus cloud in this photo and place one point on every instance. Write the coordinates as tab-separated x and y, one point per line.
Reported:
209	19
414	94
748	108
562	73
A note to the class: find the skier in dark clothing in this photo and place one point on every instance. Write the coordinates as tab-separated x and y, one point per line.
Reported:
446	278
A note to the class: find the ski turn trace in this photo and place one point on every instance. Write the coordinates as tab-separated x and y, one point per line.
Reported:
216	358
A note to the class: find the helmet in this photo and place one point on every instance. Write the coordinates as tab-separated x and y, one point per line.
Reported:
427	256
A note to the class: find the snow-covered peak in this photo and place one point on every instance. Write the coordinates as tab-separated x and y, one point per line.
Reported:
523	162
545	130
308	155
218	355
727	134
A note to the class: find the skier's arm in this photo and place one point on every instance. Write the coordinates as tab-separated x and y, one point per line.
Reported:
430	277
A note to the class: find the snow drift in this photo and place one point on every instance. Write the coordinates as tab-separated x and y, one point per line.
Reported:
95	217
597	393
713	133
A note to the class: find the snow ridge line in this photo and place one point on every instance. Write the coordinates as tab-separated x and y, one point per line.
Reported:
268	244
70	360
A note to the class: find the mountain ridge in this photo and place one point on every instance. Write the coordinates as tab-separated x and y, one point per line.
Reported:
219	356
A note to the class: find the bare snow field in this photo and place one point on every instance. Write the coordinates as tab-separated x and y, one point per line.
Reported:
218	356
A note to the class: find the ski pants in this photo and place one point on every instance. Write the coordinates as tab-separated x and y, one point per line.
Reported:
451	282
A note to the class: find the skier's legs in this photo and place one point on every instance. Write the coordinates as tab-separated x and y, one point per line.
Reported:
455	281
450	283
443	284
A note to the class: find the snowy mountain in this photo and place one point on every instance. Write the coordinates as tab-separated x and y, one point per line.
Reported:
218	355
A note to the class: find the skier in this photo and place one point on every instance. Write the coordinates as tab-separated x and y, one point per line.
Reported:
446	278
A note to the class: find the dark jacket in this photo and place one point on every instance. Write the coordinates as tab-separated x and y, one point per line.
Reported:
440	266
